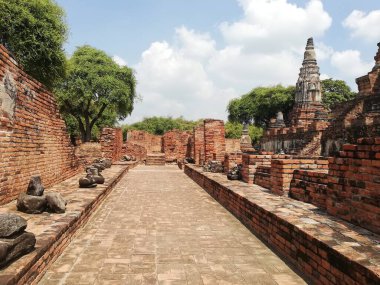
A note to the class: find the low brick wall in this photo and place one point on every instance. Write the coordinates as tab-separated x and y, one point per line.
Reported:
311	242
231	160
309	187
354	184
88	152
262	176
250	164
136	150
282	171
55	231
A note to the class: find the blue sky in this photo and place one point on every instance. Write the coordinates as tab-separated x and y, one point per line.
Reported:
192	57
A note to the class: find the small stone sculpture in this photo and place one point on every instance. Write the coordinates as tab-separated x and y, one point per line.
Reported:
35	202
55	203
35	187
213	166
99	179
14	241
105	161
31	204
126	158
235	173
87	182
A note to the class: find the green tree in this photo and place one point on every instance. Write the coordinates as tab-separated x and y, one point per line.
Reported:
235	129
161	125
95	90
261	104
335	92
35	30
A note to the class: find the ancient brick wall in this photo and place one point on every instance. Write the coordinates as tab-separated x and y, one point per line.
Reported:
231	160
315	249
33	137
354	184
111	141
214	140
152	143
262	176
198	140
309	187
175	145
136	150
250	164
88	152
282	170
232	145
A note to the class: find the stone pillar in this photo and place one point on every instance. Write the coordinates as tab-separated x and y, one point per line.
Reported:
198	140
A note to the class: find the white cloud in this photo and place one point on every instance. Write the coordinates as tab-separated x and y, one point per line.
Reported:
193	78
350	65
276	24
364	26
120	61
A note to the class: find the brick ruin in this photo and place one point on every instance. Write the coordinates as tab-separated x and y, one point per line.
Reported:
33	135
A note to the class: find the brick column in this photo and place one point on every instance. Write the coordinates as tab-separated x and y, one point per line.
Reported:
215	142
111	141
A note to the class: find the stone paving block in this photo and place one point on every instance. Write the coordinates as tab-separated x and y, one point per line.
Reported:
159	227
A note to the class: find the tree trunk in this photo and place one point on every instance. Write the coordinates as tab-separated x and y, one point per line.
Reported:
88	129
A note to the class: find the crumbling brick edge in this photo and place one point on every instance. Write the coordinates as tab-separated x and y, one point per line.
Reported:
280	236
35	268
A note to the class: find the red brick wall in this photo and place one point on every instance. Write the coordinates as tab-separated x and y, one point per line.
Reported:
198	139
136	150
250	164
231	160
318	257
151	142
111	141
309	187
282	171
215	142
175	145
354	184
33	137
88	152
263	177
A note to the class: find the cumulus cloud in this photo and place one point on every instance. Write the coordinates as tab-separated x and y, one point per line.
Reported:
120	61
192	77
270	25
350	65
364	26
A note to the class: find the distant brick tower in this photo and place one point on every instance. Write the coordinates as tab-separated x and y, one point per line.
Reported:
308	101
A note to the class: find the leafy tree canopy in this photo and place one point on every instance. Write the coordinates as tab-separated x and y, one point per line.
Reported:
234	130
35	30
96	91
161	125
335	92
261	104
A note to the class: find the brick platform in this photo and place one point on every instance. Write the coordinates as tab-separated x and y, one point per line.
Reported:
155	159
327	249
54	231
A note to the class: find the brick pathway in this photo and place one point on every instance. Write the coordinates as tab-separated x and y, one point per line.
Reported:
159	227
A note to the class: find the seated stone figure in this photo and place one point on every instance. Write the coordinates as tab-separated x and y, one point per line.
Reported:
98	178
88	181
235	173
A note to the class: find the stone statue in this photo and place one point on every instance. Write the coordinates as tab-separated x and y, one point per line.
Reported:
88	181
98	178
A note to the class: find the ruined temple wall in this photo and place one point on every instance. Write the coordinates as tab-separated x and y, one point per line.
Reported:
231	160
33	137
136	150
310	187
88	152
152	143
175	145
214	140
111	142
354	184
198	140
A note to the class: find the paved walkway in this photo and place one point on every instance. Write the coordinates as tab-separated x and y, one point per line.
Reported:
159	227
